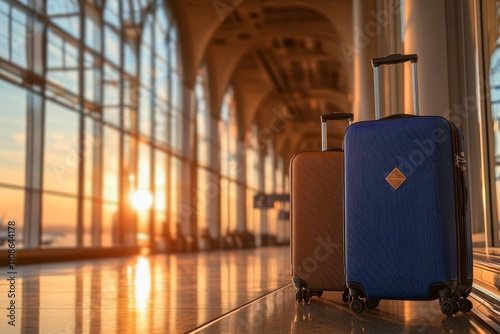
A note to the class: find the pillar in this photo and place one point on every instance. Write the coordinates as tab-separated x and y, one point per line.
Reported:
364	48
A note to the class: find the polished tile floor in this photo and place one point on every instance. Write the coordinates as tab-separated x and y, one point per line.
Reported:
245	291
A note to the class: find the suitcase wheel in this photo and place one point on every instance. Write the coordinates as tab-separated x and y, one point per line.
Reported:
465	305
371	303
449	307
345	296
357	305
306	295
319	293
298	295
302	294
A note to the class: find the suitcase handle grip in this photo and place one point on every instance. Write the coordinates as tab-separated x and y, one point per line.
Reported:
336	116
332	117
390	60
396	58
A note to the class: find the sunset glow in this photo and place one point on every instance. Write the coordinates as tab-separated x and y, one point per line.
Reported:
142	200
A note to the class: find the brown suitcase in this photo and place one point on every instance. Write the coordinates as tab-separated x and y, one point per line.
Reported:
317	219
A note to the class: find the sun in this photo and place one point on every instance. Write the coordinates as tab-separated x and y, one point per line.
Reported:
142	200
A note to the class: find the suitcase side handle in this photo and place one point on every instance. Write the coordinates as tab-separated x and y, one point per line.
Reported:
391	60
332	117
396	58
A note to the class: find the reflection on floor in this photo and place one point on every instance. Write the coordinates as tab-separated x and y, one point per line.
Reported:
217	292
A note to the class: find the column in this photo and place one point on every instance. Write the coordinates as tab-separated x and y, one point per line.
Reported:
213	192
440	32
241	209
363	49
261	225
425	34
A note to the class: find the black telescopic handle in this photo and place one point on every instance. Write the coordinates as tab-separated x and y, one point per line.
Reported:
336	116
394	59
390	60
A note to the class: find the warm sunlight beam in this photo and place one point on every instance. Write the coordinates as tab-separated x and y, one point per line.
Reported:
142	200
142	282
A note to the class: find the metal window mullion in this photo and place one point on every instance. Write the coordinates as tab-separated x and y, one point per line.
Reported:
121	145
81	132
64	15
153	135
168	133
97	182
97	153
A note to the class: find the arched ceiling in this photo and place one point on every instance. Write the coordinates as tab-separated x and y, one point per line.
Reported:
282	58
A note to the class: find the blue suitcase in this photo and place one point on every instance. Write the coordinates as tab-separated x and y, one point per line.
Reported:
407	226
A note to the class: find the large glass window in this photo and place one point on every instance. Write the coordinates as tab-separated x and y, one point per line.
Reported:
62	156
160	195
112	14
96	74
155	77
130	64
62	62
66	15
111	82
205	184
110	164
112	45
13	135
178	118
144	189
492	66
111	107
228	164
153	123
58	221
61	164
147	82
202	123
175	197
12	210
109	224
202	201
92	71
4	30
175	68
14	36
92	29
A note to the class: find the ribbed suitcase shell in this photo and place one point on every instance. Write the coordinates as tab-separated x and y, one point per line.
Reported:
317	220
403	244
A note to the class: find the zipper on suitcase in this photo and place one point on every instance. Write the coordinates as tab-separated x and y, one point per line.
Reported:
461	188
460	163
460	160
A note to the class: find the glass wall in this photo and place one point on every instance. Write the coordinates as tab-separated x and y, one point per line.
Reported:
231	154
94	132
101	123
490	18
13	157
253	175
204	197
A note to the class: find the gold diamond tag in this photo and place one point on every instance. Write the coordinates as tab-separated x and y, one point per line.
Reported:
396	178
